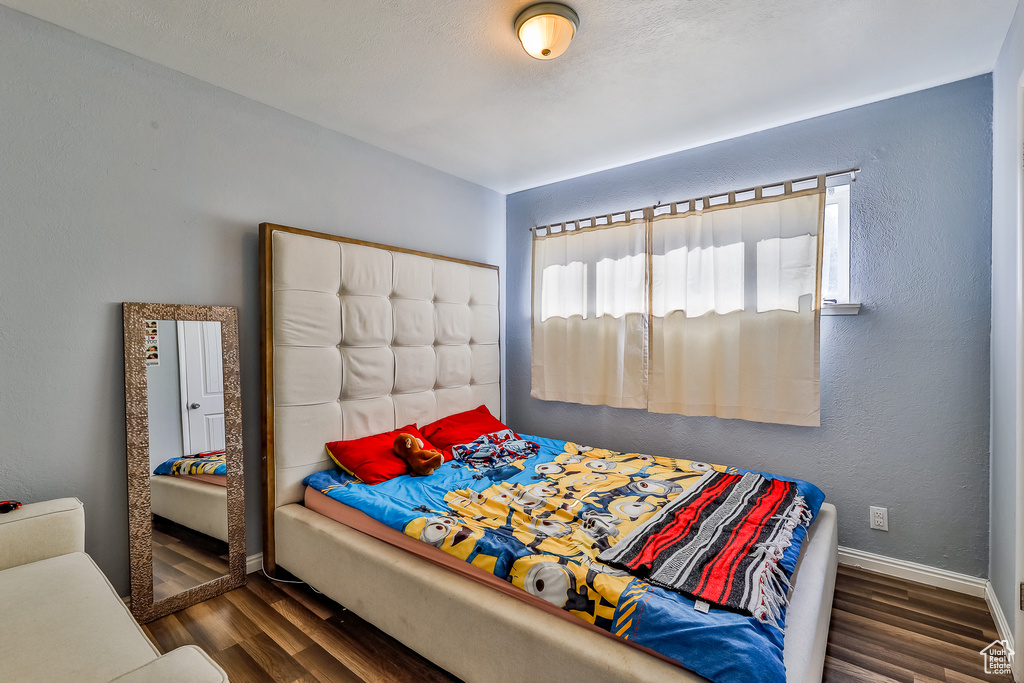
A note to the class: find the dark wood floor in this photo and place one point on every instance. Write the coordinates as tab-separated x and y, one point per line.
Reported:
183	558
883	630
281	632
886	629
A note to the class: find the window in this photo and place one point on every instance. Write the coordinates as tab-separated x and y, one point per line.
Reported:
704	311
621	286
785	272
704	307
835	265
564	291
697	280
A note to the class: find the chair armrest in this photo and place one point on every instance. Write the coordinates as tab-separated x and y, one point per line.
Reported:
41	530
187	664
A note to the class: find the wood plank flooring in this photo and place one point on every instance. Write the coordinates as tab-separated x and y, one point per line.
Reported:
282	632
183	558
883	630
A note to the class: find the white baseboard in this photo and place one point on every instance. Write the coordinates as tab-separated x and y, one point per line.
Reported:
254	563
1002	626
912	571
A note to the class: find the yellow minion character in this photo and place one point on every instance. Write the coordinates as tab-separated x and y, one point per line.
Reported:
565	584
490	509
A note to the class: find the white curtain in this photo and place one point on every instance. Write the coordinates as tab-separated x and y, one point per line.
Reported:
590	290
735	313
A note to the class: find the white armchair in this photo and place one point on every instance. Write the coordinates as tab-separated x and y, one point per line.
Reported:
62	619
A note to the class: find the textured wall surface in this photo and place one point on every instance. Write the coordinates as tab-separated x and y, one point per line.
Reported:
1006	545
122	180
905	385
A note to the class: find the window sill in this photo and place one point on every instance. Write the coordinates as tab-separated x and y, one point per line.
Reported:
840	309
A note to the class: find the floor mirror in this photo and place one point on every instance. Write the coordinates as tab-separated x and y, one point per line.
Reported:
186	508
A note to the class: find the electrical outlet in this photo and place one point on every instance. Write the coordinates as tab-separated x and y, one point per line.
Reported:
879	518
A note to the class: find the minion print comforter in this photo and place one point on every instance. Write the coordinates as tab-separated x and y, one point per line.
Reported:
202	463
540	523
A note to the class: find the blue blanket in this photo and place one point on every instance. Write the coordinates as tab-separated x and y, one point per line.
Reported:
541	522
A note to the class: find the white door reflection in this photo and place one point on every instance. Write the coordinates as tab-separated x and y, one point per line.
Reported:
202	386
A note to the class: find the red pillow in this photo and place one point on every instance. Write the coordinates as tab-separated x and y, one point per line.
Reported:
372	458
461	428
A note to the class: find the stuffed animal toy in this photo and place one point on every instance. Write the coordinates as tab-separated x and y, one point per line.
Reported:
422	463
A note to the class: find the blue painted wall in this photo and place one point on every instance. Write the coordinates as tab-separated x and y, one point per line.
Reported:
905	385
122	180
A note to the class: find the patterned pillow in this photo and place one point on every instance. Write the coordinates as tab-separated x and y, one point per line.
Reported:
495	449
461	428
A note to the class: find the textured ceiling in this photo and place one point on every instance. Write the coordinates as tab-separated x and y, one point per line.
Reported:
447	83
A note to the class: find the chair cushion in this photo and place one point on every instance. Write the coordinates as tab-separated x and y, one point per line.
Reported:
63	621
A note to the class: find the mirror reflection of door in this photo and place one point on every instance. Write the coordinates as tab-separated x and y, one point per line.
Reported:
186	418
202	386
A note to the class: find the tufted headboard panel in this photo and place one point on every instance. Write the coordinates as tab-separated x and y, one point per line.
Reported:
369	338
360	338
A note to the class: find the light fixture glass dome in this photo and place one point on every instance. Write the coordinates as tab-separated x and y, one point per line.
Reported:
546	29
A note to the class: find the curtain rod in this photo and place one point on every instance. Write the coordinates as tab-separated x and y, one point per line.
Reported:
787	186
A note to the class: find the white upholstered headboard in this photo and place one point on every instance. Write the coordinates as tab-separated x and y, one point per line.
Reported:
360	338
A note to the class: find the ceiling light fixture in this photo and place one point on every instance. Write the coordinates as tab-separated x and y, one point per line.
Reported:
546	29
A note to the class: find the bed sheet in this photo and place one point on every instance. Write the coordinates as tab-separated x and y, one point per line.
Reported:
539	523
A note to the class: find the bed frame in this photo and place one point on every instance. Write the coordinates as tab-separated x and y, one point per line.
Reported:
197	505
360	338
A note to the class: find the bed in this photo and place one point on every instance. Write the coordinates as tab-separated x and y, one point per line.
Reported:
360	338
